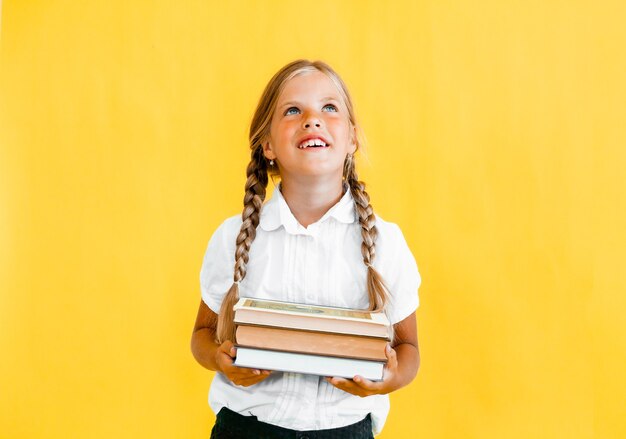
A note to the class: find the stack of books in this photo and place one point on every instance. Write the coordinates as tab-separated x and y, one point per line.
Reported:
310	339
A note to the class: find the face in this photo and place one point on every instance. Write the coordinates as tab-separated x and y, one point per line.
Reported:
310	133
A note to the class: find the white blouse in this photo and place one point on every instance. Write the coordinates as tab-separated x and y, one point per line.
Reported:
320	264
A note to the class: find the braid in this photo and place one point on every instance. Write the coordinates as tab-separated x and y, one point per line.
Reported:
376	289
252	204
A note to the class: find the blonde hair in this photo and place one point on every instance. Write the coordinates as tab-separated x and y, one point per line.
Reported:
255	188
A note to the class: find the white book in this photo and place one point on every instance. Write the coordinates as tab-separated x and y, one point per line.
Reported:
309	364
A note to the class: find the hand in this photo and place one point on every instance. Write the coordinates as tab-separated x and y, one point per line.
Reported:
240	376
362	387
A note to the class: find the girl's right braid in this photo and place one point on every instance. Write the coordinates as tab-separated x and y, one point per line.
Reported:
256	185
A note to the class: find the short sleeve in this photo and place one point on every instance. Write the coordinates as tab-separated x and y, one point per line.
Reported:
399	271
216	274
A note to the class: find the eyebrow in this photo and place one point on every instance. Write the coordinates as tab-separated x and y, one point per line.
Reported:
325	99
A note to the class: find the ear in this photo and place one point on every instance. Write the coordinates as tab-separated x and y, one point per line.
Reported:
267	150
353	138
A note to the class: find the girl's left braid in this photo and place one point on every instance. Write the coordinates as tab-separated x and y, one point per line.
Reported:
376	288
256	185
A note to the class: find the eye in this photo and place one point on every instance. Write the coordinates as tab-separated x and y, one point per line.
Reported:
331	106
291	110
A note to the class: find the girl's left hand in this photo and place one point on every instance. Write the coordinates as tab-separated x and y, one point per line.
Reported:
361	386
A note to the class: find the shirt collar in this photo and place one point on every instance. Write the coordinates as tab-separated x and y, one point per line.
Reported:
276	213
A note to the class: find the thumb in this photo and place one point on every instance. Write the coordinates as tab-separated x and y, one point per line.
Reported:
228	348
392	358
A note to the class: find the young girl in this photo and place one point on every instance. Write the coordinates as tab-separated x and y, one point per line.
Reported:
316	241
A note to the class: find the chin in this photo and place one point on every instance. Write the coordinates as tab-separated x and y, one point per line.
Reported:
312	171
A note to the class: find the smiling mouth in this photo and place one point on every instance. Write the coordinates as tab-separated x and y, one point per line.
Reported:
313	143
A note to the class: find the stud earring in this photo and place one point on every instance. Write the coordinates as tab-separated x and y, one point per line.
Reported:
271	162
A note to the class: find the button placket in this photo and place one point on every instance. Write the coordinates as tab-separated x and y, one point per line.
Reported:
312	269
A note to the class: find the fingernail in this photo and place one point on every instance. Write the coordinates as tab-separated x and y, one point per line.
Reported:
256	372
357	379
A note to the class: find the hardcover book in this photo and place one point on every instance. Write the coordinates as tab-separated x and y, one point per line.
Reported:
308	342
305	317
309	364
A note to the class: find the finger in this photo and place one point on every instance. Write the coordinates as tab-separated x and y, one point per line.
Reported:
337	381
224	359
228	348
364	383
340	383
237	376
348	386
253	371
246	371
250	380
392	358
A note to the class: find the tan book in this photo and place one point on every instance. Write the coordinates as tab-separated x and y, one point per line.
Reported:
308	342
304	317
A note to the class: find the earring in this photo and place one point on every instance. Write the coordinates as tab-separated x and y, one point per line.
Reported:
271	162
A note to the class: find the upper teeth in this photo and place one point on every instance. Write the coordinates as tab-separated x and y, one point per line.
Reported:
311	142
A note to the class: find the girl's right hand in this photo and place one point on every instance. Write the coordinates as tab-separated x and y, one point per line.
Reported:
240	376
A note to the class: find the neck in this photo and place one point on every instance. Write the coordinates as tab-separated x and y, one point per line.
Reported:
310	200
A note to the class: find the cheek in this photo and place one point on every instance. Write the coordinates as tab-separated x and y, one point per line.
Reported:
282	129
341	128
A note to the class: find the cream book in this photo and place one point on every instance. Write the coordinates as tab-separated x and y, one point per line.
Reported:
308	364
262	312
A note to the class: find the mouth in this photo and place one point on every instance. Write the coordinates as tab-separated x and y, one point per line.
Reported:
315	142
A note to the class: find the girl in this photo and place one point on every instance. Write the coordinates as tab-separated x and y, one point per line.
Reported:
316	241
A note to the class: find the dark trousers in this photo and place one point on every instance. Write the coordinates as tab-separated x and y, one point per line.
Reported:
232	425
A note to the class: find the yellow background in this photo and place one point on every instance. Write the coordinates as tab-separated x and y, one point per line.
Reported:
495	140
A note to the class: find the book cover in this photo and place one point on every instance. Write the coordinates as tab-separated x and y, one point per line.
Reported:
308	342
308	364
312	310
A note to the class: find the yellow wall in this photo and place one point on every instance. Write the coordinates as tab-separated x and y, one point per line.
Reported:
496	141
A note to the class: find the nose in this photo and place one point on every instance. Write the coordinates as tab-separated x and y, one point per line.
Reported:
311	119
